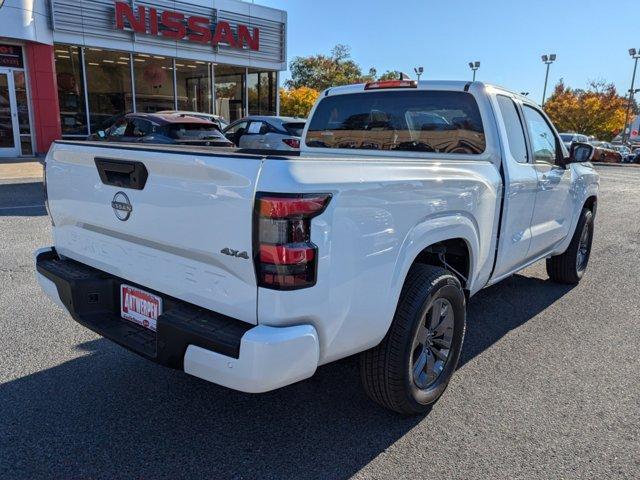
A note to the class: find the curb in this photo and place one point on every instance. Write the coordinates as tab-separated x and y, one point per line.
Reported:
617	165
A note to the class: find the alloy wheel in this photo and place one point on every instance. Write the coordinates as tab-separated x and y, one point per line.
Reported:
432	343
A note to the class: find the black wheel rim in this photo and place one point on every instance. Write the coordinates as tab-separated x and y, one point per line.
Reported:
432	343
582	257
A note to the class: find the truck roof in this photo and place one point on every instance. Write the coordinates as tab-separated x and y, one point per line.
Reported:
427	85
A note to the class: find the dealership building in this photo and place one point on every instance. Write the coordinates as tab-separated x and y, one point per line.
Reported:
68	67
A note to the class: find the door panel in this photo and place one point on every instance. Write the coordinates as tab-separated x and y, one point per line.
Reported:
521	184
9	134
553	207
553	210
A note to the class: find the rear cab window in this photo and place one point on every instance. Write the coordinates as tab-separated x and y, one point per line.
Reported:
412	121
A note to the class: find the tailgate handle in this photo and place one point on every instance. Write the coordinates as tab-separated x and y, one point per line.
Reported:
122	173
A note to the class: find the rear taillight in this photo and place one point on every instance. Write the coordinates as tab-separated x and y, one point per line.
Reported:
285	258
292	142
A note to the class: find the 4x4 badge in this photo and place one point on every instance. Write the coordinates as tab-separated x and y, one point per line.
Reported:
235	253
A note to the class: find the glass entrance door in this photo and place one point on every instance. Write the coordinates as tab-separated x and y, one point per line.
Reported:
9	131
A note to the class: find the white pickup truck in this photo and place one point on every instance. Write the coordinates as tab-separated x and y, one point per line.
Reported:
250	270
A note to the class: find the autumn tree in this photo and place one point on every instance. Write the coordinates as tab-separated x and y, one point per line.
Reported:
297	102
320	72
597	111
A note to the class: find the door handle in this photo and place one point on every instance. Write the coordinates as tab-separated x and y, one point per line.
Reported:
544	182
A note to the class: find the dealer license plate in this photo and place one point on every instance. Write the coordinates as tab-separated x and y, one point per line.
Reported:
140	307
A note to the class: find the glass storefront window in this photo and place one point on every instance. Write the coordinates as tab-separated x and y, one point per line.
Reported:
154	83
193	85
229	92
262	92
73	115
108	86
22	104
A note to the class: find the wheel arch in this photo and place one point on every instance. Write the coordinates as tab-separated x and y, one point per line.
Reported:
457	235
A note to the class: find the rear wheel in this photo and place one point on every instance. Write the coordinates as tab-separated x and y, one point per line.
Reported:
570	266
411	368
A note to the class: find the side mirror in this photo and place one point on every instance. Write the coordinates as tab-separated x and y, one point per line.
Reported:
101	133
580	153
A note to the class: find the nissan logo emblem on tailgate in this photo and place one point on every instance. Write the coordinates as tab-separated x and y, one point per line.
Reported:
121	206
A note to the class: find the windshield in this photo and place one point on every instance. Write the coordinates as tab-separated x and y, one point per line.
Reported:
418	121
566	138
294	129
194	131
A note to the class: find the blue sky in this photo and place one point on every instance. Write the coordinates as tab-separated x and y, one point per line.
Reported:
591	38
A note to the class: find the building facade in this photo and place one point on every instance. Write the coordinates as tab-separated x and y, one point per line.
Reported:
68	67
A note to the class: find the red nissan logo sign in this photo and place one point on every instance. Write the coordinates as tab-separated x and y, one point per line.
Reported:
179	26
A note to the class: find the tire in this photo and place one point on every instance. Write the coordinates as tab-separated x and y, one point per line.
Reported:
569	268
387	370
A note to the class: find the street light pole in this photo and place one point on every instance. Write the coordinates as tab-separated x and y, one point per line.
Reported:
626	135
474	66
419	71
548	59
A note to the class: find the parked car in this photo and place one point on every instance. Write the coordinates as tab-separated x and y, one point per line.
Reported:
624	151
217	119
604	152
163	129
266	133
251	270
569	138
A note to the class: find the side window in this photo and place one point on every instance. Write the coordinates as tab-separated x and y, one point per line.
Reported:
266	128
515	129
142	127
118	128
543	141
242	126
255	128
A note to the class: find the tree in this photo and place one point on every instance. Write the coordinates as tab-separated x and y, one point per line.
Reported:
597	111
320	72
390	75
297	102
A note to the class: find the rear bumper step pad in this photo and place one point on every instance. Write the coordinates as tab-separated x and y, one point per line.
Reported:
92	297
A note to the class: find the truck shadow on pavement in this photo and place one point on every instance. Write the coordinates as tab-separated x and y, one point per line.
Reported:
22	199
111	414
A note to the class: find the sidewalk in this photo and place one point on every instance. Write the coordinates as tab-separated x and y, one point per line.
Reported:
23	167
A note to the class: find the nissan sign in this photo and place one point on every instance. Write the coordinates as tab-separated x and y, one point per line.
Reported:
180	26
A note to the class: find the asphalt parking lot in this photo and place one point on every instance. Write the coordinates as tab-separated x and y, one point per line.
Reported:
548	386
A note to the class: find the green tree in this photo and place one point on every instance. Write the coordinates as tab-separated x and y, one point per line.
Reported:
597	111
390	75
320	72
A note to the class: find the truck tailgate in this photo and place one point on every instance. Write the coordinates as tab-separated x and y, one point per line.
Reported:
167	236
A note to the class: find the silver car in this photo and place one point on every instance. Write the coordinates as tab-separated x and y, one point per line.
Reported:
217	119
266	133
569	138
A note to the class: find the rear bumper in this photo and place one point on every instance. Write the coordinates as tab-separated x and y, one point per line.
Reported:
205	344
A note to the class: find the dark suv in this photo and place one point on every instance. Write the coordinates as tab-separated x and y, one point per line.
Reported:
163	129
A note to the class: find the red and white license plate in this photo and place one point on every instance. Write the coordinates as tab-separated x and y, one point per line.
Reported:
140	307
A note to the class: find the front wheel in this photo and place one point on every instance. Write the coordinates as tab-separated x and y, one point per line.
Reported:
411	368
570	266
